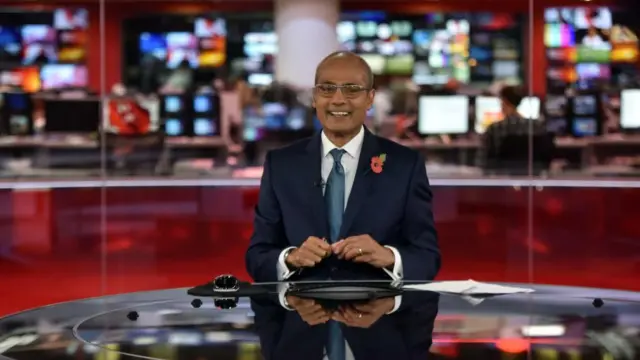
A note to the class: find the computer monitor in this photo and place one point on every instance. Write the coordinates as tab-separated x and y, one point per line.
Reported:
439	115
630	109
174	127
585	126
529	107
556	105
585	105
16	113
203	104
557	125
172	104
86	115
206	115
488	110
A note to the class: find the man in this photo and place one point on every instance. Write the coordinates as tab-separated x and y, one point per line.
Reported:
343	204
505	144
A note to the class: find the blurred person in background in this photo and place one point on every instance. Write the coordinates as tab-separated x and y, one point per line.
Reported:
512	128
180	80
404	110
244	90
301	229
150	73
381	103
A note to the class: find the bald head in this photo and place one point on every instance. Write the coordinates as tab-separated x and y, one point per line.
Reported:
346	56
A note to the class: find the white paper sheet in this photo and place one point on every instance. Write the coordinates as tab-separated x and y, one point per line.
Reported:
468	287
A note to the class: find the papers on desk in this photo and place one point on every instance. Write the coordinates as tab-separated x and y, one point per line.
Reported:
470	290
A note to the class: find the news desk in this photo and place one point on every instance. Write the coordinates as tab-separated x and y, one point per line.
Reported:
552	322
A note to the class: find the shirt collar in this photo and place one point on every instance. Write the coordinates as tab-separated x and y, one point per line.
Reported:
352	148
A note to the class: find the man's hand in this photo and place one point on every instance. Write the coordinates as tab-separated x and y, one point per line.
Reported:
310	312
364	249
363	315
310	253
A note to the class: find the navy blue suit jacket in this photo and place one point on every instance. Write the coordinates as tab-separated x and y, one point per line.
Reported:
405	334
393	207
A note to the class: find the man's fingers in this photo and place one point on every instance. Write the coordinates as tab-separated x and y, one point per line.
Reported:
337	316
338	247
317	243
305	258
355	249
363	259
320	317
365	308
310	311
317	250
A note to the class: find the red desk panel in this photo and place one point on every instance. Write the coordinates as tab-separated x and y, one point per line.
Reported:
53	248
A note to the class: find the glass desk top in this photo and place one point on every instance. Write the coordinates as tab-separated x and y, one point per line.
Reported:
553	322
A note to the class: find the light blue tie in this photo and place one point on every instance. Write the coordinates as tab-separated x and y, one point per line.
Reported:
334	197
334	194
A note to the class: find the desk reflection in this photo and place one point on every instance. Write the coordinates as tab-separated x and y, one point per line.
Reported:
302	331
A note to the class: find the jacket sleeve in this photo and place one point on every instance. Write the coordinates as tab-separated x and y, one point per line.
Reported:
268	239
419	249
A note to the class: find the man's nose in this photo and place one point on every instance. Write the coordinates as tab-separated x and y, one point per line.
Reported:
338	97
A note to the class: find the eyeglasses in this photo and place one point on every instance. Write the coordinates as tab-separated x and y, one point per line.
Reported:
349	91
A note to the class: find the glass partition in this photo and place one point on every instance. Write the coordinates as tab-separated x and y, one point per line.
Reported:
581	211
49	117
133	135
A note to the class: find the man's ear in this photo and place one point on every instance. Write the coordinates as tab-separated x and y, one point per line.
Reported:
372	95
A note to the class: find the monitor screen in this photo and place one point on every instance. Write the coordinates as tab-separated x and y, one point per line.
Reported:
202	104
529	107
254	124
488	111
584	105
71	19
556	105
60	76
443	115
630	109
296	119
19	124
557	125
153	44
275	116
172	104
181	47
174	127
204	127
585	126
16	102
86	116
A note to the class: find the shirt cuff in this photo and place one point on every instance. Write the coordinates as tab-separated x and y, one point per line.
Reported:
397	302
283	270
397	273
282	299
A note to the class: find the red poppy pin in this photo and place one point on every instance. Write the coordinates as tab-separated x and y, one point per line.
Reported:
377	162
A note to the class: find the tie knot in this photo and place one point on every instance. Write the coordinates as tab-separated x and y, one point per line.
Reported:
337	154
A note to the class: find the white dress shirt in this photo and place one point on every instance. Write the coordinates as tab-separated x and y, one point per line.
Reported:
349	162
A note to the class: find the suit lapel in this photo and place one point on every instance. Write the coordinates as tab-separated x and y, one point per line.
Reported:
312	168
363	182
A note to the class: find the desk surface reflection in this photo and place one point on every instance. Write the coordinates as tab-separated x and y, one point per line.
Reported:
551	323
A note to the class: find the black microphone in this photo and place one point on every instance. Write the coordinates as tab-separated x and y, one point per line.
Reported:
319	183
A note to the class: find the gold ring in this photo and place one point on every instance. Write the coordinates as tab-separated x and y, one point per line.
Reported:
359	315
360	252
